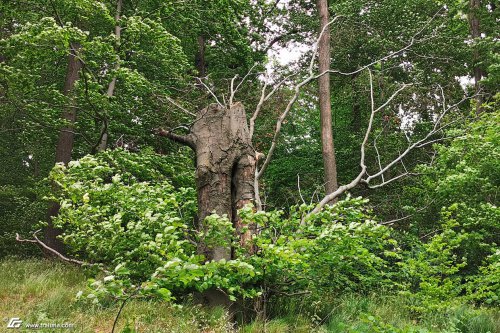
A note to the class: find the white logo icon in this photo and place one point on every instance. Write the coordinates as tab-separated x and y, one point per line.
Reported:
14	323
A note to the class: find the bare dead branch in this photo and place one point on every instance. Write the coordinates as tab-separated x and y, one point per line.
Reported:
384	182
312	77
411	42
378	155
264	98
173	102
36	240
438	127
298	187
234	91
231	96
342	189
328	198
210	91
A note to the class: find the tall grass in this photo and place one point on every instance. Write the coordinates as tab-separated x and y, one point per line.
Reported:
43	291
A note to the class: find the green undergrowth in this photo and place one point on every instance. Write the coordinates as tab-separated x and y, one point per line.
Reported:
42	291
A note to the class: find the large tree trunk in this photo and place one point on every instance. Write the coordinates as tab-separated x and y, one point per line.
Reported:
328	148
225	169
65	141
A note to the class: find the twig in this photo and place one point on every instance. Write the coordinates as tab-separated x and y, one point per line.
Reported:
300	192
121	308
170	100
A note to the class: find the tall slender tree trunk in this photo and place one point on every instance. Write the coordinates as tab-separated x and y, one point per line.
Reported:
200	57
65	141
112	85
328	148
475	31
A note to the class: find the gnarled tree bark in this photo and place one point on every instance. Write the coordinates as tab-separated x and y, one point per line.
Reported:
225	165
225	170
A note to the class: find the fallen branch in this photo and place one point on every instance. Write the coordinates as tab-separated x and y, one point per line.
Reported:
36	240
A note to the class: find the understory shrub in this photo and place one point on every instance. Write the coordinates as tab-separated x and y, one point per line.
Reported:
121	211
134	216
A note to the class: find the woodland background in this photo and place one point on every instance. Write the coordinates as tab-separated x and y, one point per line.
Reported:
170	152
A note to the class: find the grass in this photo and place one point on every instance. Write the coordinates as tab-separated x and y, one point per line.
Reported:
42	291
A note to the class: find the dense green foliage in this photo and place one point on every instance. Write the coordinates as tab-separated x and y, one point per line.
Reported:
427	242
121	212
464	181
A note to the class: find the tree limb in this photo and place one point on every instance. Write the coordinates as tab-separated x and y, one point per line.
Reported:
36	240
186	140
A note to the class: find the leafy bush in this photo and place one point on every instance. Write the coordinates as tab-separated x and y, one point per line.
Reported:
339	249
122	211
454	238
436	271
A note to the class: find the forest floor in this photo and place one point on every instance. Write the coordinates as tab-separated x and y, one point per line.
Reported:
41	291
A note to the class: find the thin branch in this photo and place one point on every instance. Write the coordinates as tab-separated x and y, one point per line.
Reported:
412	41
384	182
420	143
239	84
36	240
210	91
300	192
378	155
173	102
231	96
121	308
264	98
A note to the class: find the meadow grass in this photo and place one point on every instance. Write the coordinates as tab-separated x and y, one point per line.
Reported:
43	291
